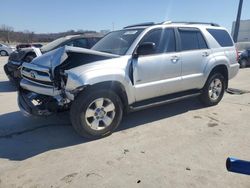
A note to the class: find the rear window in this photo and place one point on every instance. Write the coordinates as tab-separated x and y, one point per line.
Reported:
221	36
192	39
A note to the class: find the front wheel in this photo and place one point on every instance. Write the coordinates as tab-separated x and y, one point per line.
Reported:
213	90
96	113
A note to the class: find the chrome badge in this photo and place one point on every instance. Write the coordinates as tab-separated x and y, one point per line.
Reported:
33	74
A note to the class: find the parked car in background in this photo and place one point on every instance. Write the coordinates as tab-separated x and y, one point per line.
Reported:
17	58
20	46
140	66
241	46
37	45
6	50
244	58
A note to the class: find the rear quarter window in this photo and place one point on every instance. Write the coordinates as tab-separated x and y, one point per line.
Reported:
222	37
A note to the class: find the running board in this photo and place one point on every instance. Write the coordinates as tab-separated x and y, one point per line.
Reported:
163	100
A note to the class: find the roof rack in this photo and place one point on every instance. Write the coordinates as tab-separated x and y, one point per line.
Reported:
140	24
204	23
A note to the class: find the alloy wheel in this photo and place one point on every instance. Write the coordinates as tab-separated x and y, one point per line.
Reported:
215	89
100	114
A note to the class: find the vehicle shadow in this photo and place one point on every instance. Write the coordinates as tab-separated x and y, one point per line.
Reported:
7	86
22	137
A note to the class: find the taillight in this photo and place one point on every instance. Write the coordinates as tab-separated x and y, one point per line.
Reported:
237	54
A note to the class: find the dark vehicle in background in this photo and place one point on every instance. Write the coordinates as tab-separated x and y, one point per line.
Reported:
37	45
16	59
244	58
20	46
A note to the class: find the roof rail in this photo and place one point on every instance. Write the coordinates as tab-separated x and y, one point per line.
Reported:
204	23
140	24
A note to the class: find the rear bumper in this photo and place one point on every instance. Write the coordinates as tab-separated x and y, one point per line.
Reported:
233	70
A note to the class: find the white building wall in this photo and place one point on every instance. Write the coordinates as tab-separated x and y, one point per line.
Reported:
244	31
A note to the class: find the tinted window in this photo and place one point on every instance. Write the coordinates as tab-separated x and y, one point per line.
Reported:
169	41
82	43
192	40
164	40
201	40
154	37
221	36
69	43
93	41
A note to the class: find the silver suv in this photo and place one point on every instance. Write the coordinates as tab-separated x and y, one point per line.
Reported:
140	66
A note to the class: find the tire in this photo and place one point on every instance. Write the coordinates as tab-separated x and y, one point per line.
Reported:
96	106
3	53
213	90
243	63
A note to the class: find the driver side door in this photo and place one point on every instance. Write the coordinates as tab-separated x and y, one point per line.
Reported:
158	73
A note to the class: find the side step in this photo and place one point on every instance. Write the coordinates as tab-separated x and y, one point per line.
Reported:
171	98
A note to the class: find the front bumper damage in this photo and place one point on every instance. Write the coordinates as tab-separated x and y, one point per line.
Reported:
47	87
31	103
35	99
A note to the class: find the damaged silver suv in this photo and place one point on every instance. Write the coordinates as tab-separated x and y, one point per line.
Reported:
140	66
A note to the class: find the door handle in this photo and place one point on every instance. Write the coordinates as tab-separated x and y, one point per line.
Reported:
174	59
205	54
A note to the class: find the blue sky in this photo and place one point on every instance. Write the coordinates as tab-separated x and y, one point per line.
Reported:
42	16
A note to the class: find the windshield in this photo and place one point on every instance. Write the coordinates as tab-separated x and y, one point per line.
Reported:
52	45
117	42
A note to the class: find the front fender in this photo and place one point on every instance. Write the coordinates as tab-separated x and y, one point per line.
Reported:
99	76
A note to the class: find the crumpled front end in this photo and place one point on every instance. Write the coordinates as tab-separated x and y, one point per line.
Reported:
46	88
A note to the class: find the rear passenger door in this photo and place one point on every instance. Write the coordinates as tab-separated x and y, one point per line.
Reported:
158	73
194	55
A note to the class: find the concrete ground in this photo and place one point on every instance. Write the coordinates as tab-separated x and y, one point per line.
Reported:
178	145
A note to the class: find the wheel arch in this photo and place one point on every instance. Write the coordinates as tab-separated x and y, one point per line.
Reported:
221	68
115	86
5	52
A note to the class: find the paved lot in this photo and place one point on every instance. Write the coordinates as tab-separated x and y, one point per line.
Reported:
179	145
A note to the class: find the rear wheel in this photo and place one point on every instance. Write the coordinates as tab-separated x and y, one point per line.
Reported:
213	90
96	113
3	53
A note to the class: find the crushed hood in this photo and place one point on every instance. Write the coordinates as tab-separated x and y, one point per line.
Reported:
72	55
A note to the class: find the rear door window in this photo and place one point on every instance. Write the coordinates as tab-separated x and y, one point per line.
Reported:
191	39
221	36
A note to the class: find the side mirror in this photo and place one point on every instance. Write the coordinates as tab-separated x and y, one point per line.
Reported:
145	49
